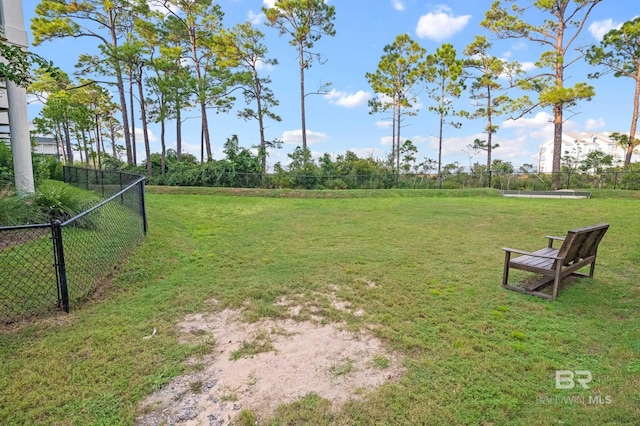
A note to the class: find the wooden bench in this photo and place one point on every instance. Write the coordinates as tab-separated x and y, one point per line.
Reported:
579	249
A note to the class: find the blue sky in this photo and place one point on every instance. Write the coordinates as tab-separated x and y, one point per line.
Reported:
340	121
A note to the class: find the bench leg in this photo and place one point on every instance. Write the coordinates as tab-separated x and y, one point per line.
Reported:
592	268
556	281
505	274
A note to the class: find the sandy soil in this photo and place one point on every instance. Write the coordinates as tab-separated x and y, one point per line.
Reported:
261	365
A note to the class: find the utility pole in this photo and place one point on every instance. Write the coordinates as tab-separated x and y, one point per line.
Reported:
12	32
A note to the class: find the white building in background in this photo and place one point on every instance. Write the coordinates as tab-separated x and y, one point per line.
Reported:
46	145
579	145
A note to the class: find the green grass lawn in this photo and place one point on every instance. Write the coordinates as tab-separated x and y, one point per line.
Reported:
474	353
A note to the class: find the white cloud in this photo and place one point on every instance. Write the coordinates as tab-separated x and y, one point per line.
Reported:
260	65
599	28
374	153
527	66
191	149
384	124
269	3
451	146
294	137
140	136
157	6
255	18
519	45
348	100
386	140
397	5
539	127
513	149
594	124
440	24
419	140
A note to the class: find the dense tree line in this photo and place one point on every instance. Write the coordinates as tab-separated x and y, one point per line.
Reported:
178	56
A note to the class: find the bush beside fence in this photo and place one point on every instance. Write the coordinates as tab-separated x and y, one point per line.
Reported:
449	180
56	265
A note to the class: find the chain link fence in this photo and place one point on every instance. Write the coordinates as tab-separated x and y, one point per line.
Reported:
459	178
47	267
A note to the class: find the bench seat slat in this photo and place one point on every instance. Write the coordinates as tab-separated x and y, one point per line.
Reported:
534	261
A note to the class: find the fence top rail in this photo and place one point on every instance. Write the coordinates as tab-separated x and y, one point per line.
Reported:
103	171
103	202
18	227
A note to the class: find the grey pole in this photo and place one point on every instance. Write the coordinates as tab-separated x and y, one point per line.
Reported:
12	19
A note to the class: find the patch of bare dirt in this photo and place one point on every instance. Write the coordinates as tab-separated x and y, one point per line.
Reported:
261	365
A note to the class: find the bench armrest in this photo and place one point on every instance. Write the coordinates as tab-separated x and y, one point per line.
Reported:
526	253
552	239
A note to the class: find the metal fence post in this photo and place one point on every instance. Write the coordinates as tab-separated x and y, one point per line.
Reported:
143	210
61	267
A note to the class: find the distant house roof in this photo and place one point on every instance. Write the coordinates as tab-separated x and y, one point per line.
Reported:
44	140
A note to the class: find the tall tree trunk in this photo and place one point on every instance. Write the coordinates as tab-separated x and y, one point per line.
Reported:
302	109
634	121
393	134
558	108
59	142
263	142
163	157
102	143
125	118
557	137
79	145
143	117
398	118
133	120
86	148
120	85
202	146
92	152
67	142
98	140
178	130
440	150
201	93
489	128
112	136
205	129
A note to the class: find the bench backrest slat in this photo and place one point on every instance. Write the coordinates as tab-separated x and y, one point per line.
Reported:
582	243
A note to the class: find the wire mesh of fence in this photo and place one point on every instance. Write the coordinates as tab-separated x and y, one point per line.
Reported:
56	265
103	182
28	281
99	239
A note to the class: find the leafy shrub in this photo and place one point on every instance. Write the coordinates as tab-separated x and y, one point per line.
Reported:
335	184
6	165
58	200
19	211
